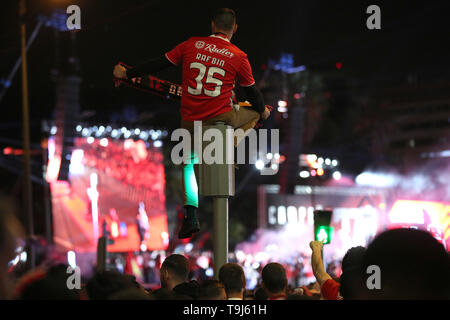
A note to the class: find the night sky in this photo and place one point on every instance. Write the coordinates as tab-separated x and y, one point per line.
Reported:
318	33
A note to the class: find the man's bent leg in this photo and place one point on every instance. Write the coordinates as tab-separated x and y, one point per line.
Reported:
246	119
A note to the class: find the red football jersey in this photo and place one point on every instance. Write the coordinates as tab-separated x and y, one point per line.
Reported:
211	66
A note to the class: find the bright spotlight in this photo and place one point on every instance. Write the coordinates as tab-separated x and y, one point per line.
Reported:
209	272
90	140
376	179
327	161
104	142
282	104
311	157
164	235
337	175
304	174
23	256
143	135
334	163
71	259
269	156
154	135
259	164
189	246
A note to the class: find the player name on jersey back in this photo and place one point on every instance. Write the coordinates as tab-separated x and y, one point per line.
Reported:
205	58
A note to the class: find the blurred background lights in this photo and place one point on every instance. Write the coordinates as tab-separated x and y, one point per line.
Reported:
259	164
304	174
71	259
104	142
337	175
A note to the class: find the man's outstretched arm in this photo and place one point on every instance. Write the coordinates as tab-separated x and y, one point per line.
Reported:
317	263
143	69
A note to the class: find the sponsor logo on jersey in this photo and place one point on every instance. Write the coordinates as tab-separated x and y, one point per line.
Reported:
199	44
223	51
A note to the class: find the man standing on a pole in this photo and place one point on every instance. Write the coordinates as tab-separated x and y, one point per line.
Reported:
210	67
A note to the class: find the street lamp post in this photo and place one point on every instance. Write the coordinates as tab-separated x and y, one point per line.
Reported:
217	180
27	190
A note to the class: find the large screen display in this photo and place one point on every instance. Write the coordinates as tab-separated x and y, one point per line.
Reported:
115	187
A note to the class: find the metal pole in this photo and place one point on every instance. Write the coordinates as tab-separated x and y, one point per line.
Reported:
220	233
47	197
217	180
18	62
102	243
27	192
